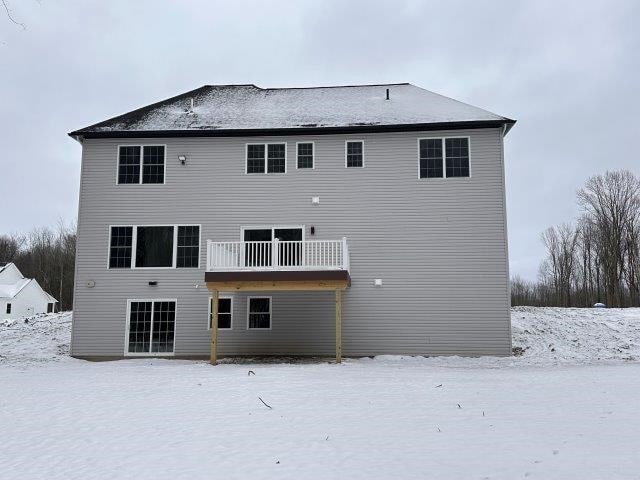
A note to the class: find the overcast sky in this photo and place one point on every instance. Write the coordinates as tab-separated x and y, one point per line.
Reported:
567	71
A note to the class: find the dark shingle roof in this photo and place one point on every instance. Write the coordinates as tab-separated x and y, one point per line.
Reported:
246	108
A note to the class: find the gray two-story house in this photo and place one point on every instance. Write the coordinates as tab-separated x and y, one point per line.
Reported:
237	220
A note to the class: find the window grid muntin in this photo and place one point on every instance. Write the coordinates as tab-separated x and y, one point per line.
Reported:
256	158
121	247
259	316
355	154
164	322
188	249
276	158
140	316
431	158
153	164
457	156
305	155
129	164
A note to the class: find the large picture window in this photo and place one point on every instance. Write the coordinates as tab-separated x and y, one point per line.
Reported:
152	168
444	157
151	327
162	246
225	312
154	247
259	313
266	158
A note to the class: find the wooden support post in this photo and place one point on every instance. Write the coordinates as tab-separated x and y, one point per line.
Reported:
338	326
214	327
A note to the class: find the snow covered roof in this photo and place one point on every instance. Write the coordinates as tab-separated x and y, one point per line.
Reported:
232	108
10	291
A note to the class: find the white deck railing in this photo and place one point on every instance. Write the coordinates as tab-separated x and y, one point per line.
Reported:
278	255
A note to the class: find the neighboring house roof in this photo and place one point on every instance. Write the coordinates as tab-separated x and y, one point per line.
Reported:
219	110
10	291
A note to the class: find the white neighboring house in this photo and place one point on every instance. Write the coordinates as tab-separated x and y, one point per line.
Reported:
22	297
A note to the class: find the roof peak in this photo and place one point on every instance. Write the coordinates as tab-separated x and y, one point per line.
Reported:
311	87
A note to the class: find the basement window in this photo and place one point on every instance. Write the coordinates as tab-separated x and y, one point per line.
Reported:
225	313
266	158
130	171
305	155
163	246
151	327
259	313
354	154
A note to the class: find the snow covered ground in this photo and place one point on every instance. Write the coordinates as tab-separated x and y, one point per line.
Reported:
566	408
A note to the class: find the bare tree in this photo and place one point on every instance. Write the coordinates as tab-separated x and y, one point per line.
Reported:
561	244
612	204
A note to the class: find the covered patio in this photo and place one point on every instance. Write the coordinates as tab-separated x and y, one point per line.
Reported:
259	266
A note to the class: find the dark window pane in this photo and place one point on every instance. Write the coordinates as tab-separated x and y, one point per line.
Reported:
188	246
8	308
164	319
431	158
139	327
305	155
276	158
457	150
120	248
49	307
255	159
129	165
224	313
154	247
354	154
257	254
153	164
259	316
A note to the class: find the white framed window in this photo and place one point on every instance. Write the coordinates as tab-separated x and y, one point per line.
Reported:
154	246
150	327
259	313
141	164
305	155
266	158
225	312
354	153
444	157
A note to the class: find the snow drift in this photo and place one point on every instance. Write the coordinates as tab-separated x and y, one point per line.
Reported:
540	336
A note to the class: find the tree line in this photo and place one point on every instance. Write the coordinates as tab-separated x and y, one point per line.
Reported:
48	255
597	258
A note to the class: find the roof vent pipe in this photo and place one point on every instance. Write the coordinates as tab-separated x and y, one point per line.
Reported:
387	94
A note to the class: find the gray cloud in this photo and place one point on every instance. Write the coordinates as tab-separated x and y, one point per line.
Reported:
567	71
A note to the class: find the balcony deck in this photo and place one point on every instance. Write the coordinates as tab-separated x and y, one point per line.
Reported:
278	265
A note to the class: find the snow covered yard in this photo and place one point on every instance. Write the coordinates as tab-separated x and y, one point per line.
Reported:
566	408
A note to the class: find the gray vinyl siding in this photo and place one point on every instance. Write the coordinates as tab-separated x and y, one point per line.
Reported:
439	246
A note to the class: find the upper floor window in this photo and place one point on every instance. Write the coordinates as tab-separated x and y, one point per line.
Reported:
154	246
444	157
354	153
305	155
132	170
266	158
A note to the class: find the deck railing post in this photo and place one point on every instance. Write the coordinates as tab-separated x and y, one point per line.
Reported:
345	254
275	253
